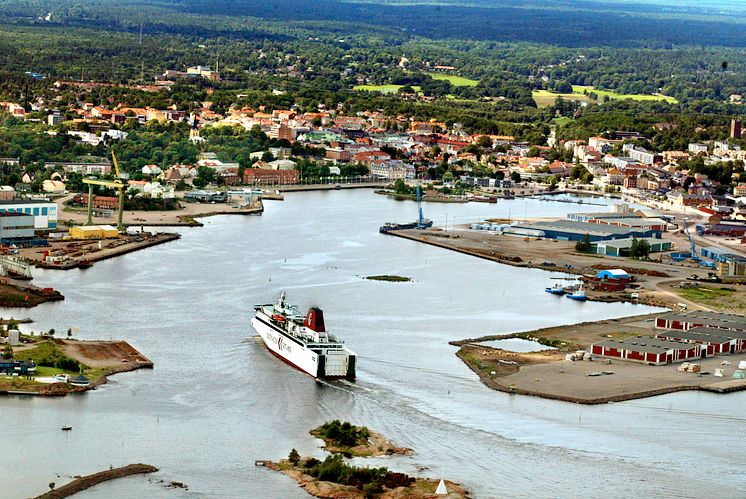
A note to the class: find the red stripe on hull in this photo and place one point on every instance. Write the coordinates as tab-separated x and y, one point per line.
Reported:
286	361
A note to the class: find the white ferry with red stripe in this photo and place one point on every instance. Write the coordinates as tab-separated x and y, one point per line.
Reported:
302	340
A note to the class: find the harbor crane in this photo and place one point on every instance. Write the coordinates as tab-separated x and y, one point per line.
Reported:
693	248
118	184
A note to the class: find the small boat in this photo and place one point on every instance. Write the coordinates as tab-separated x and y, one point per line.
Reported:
578	295
67	428
557	289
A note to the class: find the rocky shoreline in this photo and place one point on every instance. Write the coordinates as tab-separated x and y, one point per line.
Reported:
80	484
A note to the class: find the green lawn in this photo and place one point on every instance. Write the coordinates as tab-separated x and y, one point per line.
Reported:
456	81
579	89
717	298
384	89
545	98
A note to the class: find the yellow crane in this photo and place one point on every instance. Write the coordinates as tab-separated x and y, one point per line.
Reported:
118	184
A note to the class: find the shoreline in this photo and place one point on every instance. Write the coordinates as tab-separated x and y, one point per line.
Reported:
122	357
84	261
547	374
82	483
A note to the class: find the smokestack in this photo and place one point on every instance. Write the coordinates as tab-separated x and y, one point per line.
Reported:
315	320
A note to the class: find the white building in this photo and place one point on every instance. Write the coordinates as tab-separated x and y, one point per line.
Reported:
44	212
389	171
696	148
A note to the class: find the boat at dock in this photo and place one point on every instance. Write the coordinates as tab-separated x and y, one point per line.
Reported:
302	341
578	295
484	199
421	223
557	289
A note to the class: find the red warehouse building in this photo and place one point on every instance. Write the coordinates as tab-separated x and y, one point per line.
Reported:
647	350
701	318
713	341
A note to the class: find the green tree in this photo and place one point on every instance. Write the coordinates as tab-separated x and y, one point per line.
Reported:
294	457
8	352
515	177
640	248
584	246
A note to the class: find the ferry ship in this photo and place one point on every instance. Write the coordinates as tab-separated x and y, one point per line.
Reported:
302	341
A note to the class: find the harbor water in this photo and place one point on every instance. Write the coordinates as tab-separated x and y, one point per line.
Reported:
216	400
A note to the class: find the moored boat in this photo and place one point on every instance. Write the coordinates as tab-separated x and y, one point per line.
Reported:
578	295
421	223
557	289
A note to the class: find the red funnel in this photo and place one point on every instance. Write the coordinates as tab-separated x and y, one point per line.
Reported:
315	320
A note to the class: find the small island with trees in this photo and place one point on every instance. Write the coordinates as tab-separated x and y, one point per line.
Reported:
355	441
333	477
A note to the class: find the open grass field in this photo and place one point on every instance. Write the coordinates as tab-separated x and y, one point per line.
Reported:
579	89
545	98
562	120
722	299
384	89
456	81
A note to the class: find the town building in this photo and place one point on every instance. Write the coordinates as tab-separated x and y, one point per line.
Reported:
7	192
389	170
696	148
82	168
261	176
735	128
644	156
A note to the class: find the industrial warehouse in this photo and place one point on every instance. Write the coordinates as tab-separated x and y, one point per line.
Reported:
569	230
700	318
688	336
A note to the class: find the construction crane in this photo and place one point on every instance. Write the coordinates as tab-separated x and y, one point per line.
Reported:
118	184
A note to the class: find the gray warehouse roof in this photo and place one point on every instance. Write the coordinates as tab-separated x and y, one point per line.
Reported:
645	344
582	228
712	319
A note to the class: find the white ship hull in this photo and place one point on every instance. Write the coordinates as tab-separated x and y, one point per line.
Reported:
317	360
287	349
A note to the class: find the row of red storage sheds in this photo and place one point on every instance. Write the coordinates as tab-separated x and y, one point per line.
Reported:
673	346
648	350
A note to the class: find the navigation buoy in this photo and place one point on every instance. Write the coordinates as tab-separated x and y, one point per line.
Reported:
442	490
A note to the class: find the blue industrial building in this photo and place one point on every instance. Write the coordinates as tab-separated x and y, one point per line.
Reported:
568	230
719	255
